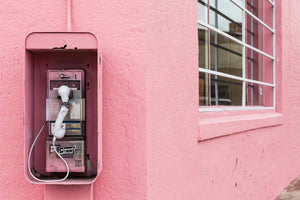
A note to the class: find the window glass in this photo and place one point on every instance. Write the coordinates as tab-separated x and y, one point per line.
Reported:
203	46
259	67
259	36
202	10
258	8
227	17
226	91
225	55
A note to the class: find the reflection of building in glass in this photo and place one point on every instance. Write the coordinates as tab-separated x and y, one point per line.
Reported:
225	57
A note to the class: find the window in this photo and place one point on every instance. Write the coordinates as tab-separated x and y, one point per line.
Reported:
236	54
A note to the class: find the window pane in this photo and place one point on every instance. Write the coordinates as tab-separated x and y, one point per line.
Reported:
227	17
202	10
203	47
222	91
259	67
225	91
259	95
258	36
225	55
261	9
203	89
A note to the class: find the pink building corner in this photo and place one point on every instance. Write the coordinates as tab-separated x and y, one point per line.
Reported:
155	142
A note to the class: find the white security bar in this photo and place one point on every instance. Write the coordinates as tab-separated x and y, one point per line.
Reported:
232	108
272	3
244	55
274	54
208	71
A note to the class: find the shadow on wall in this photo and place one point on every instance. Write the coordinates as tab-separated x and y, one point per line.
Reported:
291	192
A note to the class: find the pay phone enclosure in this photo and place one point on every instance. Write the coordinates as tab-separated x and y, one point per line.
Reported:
76	55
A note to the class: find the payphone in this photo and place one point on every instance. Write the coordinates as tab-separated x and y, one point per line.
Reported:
71	147
62	96
65	114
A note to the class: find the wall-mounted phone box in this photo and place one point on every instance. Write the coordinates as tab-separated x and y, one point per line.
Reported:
62	53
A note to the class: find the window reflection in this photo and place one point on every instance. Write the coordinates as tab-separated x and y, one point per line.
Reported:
226	16
222	91
259	36
225	91
202	10
259	95
203	89
258	7
203	47
225	55
257	65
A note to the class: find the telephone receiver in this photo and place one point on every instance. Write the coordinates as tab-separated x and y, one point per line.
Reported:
58	130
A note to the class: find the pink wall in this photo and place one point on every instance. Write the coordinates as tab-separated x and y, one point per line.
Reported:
150	105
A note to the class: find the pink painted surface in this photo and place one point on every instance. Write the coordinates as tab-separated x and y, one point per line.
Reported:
150	105
209	127
38	41
54	192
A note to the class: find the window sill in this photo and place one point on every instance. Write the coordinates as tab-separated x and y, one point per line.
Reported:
215	127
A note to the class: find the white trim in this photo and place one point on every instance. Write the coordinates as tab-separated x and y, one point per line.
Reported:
252	55
208	71
259	51
244	96
216	56
273	3
232	108
274	54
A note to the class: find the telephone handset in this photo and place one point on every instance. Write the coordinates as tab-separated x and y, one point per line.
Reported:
58	130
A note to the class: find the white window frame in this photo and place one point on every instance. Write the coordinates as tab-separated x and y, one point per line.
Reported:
244	46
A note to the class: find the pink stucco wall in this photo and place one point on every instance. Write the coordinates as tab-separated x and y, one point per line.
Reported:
151	123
